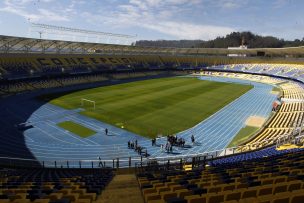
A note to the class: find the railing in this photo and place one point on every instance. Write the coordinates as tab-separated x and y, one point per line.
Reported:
295	138
139	162
120	162
178	162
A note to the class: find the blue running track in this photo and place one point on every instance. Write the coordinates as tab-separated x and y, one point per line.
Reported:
48	142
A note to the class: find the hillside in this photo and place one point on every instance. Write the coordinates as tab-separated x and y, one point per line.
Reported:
231	40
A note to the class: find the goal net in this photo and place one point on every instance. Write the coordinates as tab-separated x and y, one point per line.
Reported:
87	102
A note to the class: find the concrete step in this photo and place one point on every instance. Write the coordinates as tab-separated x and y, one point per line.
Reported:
123	188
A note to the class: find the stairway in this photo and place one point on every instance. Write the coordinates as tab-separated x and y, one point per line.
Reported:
122	189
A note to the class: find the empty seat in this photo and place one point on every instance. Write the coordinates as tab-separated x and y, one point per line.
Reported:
233	196
265	190
196	199
249	193
296	185
280	188
297	197
215	198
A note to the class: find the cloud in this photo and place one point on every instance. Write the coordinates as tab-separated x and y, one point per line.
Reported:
170	18
182	30
24	8
280	3
160	16
229	4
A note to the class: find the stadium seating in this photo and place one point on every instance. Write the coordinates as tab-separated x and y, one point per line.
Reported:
287	70
283	122
53	185
265	176
21	85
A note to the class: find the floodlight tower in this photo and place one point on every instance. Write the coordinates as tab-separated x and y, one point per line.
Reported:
243	41
40	34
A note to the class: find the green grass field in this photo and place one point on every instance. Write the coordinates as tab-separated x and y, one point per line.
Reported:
76	129
157	106
243	135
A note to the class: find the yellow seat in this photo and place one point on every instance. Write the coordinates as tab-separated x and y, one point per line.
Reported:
167	195
249	193
183	193
156	185
148	190
294	185
229	187
280	180
170	184
156	201
280	188
91	196
64	191
233	196
283	197
214	189
41	201
152	196
72	197
79	191
265	190
54	196
20	201
216	198
280	200
162	189
249	200
195	199
267	181
84	201
241	186
231	201
278	197
176	187
297	197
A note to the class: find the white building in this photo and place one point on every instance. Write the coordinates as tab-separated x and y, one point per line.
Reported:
238	48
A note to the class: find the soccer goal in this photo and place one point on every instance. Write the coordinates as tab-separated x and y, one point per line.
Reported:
87	101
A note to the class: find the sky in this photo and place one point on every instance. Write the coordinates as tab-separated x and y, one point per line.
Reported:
157	19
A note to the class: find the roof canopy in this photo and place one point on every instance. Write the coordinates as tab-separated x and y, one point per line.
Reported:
9	44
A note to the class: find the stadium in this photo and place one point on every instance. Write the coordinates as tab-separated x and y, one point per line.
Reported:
112	122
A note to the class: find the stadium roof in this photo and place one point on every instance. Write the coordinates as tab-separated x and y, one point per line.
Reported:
9	44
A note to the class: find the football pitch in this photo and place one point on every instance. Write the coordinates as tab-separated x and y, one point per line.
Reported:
157	106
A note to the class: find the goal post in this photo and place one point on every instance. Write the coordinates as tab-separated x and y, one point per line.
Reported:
84	101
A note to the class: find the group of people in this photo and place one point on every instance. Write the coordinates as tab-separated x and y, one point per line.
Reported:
139	149
168	147
132	145
174	140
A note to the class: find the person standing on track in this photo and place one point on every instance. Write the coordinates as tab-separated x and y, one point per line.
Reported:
100	164
106	131
192	139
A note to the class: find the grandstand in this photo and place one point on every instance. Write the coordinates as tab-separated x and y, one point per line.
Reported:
40	162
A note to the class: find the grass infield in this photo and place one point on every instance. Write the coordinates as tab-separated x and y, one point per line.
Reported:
76	129
158	106
243	135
